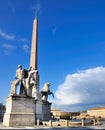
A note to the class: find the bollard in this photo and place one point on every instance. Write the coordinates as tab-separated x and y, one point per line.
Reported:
98	122
67	123
50	123
38	122
83	122
94	122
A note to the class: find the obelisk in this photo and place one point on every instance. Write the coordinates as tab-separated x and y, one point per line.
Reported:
34	49
34	55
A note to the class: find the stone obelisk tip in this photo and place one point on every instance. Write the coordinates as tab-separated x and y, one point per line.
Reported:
34	49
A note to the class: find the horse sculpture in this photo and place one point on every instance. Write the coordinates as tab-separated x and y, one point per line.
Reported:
29	85
46	91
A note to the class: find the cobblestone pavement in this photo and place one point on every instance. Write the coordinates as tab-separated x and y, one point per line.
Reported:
102	126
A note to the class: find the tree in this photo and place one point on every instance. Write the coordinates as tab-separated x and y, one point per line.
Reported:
2	107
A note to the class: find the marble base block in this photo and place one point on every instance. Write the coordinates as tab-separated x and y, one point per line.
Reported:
20	111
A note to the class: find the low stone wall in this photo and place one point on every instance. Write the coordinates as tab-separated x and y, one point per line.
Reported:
67	123
55	123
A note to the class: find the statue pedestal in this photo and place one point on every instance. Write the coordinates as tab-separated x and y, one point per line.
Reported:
46	111
20	111
43	110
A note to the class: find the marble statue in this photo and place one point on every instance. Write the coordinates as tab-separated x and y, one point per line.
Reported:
26	79
31	82
46	91
19	79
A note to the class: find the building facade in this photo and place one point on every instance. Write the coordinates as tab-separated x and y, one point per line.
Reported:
57	113
97	112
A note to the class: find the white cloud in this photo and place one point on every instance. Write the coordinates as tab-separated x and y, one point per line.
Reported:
23	40
37	9
8	46
7	36
26	48
84	87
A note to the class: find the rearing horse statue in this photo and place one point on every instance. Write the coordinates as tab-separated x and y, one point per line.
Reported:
46	91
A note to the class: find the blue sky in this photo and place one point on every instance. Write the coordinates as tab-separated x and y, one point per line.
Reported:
71	43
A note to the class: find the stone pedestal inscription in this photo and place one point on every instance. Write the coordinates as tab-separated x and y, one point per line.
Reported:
20	111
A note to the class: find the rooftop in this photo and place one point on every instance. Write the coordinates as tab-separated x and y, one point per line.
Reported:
101	108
